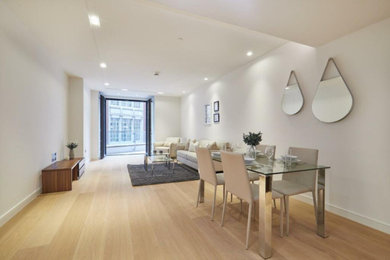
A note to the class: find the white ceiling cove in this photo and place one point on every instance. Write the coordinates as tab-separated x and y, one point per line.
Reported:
185	41
310	22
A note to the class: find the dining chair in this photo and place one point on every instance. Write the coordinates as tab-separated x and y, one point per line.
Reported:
237	183
298	182
207	173
254	176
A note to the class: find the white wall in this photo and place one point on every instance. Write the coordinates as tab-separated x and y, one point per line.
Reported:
76	114
33	115
167	117
95	125
357	148
87	123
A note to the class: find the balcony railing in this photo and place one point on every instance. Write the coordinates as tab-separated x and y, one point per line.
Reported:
125	138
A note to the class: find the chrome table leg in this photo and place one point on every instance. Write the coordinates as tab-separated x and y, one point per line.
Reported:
265	216
321	228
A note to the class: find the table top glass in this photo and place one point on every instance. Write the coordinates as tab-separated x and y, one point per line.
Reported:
160	158
265	167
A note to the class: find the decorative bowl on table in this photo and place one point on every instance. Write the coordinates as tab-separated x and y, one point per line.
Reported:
248	160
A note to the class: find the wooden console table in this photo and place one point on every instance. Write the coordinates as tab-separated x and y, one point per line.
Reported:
59	175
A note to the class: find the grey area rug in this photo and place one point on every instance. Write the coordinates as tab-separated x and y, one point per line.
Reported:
161	174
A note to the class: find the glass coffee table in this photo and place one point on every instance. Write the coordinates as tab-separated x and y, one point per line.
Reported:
158	159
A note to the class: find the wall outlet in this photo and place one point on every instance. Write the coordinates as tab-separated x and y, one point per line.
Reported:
53	157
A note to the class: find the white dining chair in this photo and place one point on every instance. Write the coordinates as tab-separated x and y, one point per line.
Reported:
237	183
207	173
298	182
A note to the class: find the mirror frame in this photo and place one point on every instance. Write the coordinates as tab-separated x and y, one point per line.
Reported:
346	85
292	74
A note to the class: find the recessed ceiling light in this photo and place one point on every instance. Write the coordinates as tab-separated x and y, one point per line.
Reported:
103	65
160	93
206	79
106	84
94	20
184	92
249	53
124	89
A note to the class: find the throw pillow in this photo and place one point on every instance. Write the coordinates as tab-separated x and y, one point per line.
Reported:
193	147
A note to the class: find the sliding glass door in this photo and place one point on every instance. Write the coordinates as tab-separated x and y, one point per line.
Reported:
126	127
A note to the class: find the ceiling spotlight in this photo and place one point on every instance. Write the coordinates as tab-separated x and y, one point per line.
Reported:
103	65
106	84
206	79
160	93
184	92
249	53
94	20
124	89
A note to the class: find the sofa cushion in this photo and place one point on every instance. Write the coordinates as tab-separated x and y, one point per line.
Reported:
211	145
193	146
172	139
183	154
192	157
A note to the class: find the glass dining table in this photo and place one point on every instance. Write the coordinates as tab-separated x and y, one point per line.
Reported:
266	170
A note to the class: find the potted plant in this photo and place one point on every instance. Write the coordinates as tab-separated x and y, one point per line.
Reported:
71	146
252	139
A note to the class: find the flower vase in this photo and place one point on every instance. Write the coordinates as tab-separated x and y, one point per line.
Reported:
71	154
252	152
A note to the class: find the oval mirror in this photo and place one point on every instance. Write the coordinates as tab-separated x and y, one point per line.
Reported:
292	100
333	101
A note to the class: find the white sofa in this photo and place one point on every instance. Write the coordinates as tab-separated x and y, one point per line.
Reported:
169	146
188	156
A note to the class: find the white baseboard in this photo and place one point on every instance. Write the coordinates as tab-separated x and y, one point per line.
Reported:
18	207
364	220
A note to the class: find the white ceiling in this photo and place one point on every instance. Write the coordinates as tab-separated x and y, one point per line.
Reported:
310	22
137	38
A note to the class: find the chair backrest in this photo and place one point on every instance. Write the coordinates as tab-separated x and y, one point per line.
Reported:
236	176
205	165
306	155
261	147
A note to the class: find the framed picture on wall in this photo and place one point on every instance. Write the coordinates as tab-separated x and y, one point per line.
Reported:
216	118
207	114
216	106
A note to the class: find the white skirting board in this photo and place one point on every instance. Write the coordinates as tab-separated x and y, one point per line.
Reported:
18	207
364	220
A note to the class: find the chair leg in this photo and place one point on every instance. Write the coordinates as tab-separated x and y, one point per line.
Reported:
223	192
231	197
224	207
287	206
281	216
240	206
248	228
274	203
314	203
213	208
197	198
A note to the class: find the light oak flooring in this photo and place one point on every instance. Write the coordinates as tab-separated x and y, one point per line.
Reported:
104	217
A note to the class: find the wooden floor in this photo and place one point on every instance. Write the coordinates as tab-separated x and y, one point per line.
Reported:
104	217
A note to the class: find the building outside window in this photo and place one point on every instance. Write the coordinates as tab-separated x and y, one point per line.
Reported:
137	129
126	126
